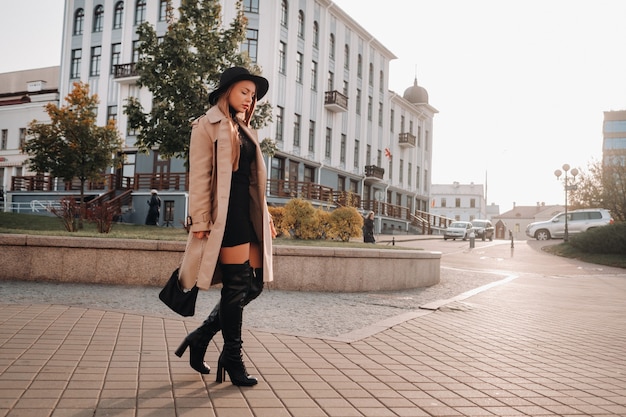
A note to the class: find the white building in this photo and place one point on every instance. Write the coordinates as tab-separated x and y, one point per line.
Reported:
23	96
457	201
336	124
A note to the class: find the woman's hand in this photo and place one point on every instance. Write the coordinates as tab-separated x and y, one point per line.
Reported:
202	234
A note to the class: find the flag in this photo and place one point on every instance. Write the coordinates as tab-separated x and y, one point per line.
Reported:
388	153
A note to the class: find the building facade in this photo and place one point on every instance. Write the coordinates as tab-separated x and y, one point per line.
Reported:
23	97
614	138
336	123
457	201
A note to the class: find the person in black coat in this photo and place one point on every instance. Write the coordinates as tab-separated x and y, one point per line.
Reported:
368	228
152	219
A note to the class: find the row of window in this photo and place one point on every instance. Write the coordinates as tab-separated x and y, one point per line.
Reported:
457	202
4	139
118	14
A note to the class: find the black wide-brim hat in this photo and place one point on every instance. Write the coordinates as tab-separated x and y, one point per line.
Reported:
235	74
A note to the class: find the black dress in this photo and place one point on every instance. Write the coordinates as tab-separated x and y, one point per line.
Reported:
239	228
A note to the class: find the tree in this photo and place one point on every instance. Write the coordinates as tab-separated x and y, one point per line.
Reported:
71	145
181	69
602	185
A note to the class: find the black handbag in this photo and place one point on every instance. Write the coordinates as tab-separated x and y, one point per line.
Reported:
181	301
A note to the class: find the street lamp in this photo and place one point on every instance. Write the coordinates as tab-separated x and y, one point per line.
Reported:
558	174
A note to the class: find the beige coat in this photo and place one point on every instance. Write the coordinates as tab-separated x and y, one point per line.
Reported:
210	173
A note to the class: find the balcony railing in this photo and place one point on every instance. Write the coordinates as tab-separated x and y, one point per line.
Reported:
312	191
406	139
125	70
335	101
374	171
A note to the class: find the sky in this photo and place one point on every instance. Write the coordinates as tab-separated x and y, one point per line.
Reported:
520	86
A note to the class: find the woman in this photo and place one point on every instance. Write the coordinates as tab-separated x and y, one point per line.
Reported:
230	226
368	228
154	210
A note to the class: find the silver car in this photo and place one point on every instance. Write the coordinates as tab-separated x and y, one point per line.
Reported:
458	230
578	221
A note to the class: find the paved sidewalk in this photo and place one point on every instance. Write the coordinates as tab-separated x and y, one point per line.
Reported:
543	344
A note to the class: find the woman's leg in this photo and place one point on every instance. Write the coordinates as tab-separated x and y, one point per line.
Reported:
237	275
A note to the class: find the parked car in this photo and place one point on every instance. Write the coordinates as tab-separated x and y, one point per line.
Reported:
578	221
457	230
483	229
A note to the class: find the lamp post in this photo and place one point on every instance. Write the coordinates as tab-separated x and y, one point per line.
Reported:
558	174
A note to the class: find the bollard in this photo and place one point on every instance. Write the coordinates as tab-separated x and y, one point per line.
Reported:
511	236
472	240
393	241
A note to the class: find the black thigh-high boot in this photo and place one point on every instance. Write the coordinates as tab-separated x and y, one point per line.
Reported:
236	285
198	341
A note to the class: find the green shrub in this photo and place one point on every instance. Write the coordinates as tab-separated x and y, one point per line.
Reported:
609	239
345	222
299	220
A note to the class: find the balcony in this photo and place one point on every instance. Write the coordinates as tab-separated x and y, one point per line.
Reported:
373	171
335	101
406	140
126	72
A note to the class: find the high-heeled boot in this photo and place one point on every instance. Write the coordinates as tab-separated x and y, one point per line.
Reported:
198	341
236	283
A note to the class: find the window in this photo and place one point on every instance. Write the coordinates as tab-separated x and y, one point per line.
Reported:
341	183
426	180
380	113
316	35
309	174
77	55
331	81
329	135
79	20
5	139
392	117
118	15
369	108
251	44
359	66
390	169
280	114
311	136
140	12
282	57
443	202
368	155
402	124
342	150
401	176
472	203
331	46
381	81
98	18
116	54
301	24
457	202
426	140
417	179
358	101
296	130
313	75
94	64
163	6
277	169
419	136
346	56
379	158
284	13
371	74
346	88
357	150
409	174
299	68
22	137
135	57
112	113
251	6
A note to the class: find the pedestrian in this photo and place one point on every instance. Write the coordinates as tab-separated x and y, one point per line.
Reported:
368	228
229	219
154	209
